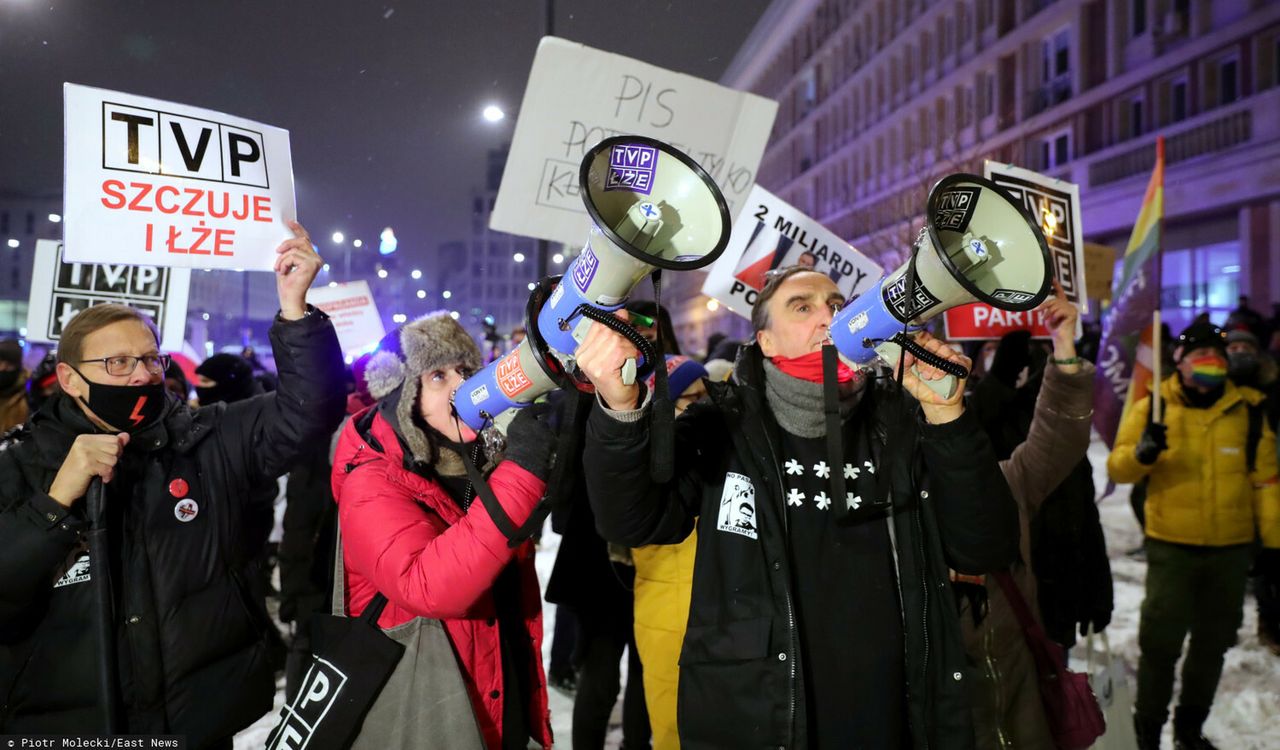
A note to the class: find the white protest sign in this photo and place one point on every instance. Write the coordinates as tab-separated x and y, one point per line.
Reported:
355	316
61	289
153	183
578	96
1056	205
773	234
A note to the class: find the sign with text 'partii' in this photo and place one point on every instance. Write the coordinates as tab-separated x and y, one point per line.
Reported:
153	183
61	289
578	96
771	234
1055	204
355	316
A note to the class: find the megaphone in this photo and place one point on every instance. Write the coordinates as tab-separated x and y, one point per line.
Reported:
652	207
977	245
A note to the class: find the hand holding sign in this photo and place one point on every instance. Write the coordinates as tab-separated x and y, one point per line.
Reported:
297	265
90	456
1060	317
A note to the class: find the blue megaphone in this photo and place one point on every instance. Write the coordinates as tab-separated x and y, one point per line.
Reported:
977	245
651	207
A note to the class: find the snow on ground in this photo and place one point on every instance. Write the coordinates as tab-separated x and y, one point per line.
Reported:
1246	715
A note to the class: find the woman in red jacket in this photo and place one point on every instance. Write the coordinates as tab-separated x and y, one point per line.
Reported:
410	530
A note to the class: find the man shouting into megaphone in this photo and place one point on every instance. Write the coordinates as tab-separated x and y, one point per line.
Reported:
815	620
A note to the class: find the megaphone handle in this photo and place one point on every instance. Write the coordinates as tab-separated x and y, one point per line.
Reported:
614	323
629	371
891	352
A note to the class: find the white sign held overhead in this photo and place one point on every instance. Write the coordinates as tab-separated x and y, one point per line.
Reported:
772	234
153	183
355	316
60	290
1055	204
578	96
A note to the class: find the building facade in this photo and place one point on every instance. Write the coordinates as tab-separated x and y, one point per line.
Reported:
879	99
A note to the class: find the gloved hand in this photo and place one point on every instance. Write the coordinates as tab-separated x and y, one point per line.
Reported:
1154	440
1098	621
531	441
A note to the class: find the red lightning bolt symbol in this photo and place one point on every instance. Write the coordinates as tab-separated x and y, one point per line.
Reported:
135	415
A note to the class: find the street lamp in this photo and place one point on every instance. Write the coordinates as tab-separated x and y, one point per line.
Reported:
493	113
446	294
339	238
416	274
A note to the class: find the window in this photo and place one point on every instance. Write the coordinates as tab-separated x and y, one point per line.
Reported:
1057	55
1136	121
1199	279
1228	81
1178	101
986	94
1055	150
1138	17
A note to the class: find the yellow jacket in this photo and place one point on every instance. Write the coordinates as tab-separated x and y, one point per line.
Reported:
664	582
1200	490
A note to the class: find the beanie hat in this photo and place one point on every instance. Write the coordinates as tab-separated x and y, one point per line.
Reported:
682	372
1199	336
233	375
1238	335
433	342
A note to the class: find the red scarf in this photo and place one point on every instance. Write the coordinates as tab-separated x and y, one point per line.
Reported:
809	367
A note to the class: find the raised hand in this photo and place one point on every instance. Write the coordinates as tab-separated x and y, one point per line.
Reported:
297	265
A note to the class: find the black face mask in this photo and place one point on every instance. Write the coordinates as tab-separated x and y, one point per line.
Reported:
127	407
8	378
1242	367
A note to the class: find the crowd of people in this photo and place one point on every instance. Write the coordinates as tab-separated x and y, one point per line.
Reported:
830	565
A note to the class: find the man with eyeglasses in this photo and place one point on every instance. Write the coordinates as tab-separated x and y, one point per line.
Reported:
190	643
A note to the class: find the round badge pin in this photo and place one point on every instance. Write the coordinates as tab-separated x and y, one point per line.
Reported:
186	510
179	487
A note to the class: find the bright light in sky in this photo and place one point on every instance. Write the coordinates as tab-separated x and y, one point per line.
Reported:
493	113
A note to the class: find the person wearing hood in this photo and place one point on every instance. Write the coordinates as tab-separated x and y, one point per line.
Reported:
1212	490
13	386
815	619
43	383
189	641
416	529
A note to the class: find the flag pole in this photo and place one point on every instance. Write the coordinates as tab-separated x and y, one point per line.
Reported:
1157	332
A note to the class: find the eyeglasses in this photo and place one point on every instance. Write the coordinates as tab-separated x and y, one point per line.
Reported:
124	365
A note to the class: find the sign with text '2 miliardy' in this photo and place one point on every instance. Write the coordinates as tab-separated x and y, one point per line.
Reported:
578	96
60	290
771	234
355	316
153	183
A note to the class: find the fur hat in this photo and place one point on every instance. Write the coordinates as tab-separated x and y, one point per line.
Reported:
432	342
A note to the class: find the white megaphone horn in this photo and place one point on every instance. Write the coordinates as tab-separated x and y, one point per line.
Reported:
652	207
977	245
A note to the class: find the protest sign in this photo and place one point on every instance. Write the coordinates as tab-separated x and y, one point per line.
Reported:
153	183
1055	204
354	314
578	96
773	234
61	289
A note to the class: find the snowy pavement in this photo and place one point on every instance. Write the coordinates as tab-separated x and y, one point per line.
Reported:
1246	715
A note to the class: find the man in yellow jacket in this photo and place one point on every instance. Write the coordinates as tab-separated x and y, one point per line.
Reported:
1211	463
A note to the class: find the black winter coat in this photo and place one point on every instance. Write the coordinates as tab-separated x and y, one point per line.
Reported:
740	665
190	639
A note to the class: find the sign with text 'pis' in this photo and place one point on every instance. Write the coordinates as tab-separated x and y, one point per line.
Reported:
771	234
578	96
153	183
61	289
355	316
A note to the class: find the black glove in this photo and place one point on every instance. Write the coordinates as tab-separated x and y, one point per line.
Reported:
530	440
1098	621
1154	440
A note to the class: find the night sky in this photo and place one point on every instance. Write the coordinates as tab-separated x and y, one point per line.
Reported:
382	100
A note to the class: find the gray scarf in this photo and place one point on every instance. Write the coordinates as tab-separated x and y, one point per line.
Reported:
797	404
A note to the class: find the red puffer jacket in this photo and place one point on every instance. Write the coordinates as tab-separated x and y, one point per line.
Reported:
404	536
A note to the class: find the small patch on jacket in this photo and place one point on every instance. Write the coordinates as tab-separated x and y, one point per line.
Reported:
738	506
77	573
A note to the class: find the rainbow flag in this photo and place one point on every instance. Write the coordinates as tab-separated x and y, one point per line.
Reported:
1124	358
